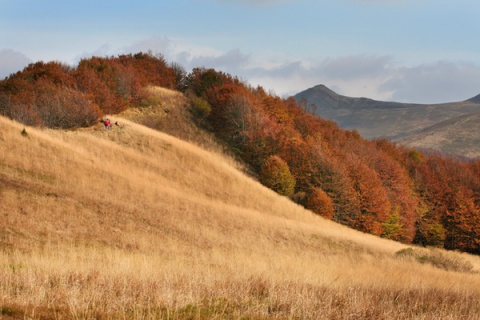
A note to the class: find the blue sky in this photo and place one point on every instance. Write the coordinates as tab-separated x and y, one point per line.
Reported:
424	51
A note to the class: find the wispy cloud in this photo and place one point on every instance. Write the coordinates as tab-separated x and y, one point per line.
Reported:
442	81
156	44
101	51
233	61
355	67
11	62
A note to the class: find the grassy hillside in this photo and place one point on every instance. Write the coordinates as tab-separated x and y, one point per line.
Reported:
134	223
458	135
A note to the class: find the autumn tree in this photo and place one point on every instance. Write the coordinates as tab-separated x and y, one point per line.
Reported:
63	107
320	203
153	69
200	80
429	229
374	203
462	223
101	77
276	175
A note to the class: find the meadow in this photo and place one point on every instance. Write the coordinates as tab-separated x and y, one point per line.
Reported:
133	223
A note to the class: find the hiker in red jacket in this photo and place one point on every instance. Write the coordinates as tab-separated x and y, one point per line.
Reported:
107	124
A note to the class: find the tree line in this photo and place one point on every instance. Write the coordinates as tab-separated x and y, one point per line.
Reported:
376	186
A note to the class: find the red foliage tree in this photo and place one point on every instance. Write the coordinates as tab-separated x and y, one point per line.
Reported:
374	203
151	69
90	83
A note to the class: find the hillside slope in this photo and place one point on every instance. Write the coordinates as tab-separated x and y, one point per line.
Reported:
134	222
457	135
393	120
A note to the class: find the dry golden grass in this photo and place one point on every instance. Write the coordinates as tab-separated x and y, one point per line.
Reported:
133	223
168	111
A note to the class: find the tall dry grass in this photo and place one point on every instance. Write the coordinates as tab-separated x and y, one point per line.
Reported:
134	224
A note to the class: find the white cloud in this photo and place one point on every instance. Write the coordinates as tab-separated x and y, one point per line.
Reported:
442	81
102	51
231	61
154	44
12	61
355	67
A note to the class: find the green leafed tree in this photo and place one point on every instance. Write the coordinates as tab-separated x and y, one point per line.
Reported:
275	174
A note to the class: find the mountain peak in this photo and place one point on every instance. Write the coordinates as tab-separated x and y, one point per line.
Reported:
323	88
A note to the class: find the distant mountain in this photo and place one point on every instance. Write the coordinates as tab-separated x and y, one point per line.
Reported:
458	135
447	127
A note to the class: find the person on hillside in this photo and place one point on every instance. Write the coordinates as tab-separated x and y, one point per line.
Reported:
107	124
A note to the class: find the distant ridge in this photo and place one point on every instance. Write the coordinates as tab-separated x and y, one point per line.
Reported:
324	97
401	122
475	99
458	135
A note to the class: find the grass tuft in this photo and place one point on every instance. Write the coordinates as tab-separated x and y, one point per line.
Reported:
437	258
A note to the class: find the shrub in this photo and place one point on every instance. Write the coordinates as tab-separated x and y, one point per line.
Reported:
436	258
299	197
200	107
150	100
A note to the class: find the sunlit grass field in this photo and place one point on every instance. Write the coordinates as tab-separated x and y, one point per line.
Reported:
133	223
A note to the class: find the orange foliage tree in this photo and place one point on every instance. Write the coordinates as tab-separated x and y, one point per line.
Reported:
320	203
